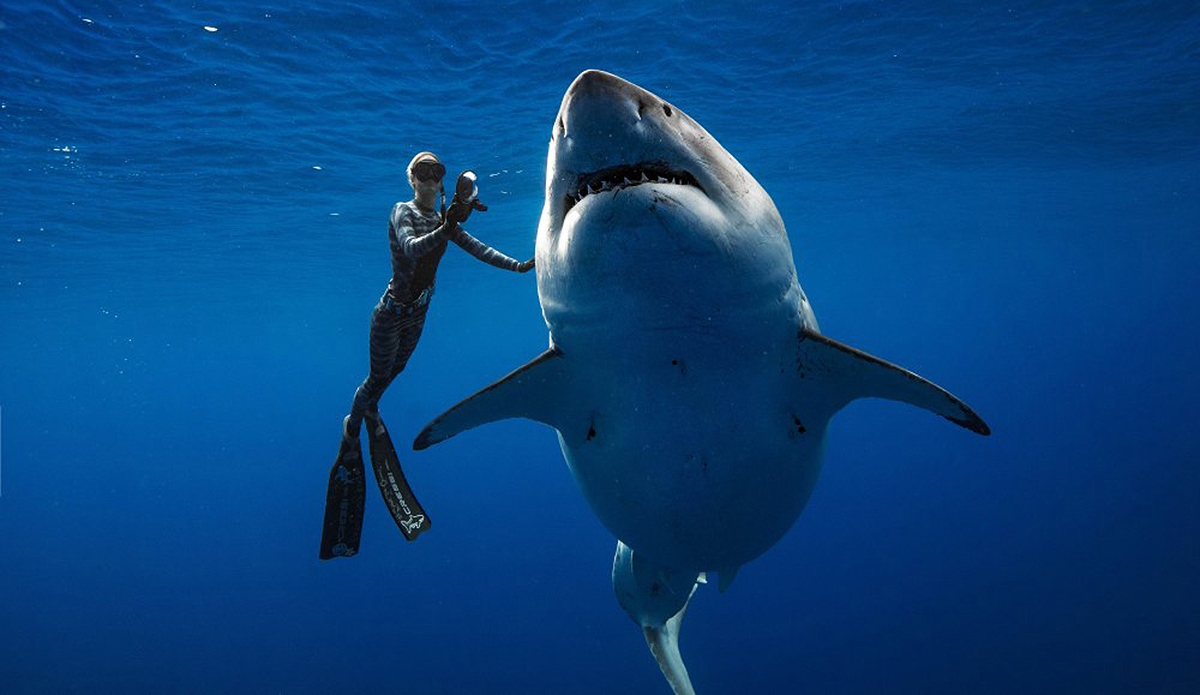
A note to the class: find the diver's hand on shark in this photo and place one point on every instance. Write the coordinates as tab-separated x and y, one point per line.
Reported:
526	266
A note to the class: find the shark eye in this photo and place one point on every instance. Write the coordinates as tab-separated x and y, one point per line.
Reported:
667	110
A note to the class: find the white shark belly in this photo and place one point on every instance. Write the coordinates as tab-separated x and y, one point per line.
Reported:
679	425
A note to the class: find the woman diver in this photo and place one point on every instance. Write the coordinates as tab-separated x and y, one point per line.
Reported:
418	233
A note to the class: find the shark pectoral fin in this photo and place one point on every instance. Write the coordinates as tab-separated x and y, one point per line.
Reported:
852	373
530	392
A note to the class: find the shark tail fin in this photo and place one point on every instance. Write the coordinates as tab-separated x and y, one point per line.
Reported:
852	374
664	645
529	392
656	597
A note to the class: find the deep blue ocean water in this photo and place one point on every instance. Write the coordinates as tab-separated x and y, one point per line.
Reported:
1003	198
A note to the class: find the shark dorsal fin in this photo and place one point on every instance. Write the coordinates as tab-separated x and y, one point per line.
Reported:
532	392
850	373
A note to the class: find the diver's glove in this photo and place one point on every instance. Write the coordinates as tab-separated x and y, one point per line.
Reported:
458	212
526	266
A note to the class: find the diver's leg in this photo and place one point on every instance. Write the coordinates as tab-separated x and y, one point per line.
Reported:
409	334
406	511
345	496
384	348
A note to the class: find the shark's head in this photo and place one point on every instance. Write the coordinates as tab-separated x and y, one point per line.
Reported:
641	204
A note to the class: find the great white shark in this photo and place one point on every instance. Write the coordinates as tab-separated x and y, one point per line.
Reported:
686	376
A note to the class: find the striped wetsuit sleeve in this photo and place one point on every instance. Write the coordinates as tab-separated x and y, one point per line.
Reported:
411	244
482	251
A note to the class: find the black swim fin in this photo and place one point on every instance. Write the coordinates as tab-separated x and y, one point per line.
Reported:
401	502
345	499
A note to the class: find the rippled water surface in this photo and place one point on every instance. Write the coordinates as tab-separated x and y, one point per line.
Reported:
1004	198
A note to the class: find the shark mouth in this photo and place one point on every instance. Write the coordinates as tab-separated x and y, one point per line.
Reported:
624	176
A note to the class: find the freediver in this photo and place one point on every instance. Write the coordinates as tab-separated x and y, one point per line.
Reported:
418	233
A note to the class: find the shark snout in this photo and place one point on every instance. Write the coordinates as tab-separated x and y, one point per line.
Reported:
593	80
602	103
607	125
593	95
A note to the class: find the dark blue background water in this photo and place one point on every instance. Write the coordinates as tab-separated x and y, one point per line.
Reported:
1005	199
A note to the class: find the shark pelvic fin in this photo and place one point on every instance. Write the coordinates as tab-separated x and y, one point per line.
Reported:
725	578
530	392
855	374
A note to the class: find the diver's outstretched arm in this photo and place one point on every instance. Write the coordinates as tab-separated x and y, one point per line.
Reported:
485	253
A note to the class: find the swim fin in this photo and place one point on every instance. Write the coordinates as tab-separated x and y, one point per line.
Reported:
399	497
345	499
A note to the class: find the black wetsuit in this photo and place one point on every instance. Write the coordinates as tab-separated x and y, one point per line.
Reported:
418	240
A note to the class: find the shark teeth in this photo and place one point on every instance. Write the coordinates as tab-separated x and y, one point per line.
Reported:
618	177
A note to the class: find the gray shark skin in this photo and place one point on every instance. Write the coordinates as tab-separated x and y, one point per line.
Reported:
686	376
